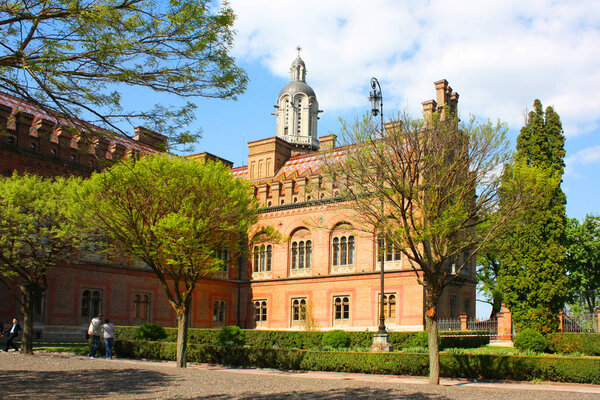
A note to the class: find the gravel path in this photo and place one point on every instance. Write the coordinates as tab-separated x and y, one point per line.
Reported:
65	376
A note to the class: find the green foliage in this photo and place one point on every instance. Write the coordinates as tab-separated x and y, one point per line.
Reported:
583	261
231	336
503	367
36	233
150	331
463	339
72	57
533	277
177	215
530	339
568	343
336	338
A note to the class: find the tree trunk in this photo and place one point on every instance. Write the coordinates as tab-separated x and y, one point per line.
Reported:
434	348
27	308
182	333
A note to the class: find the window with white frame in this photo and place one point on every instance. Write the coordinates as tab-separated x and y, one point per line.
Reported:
262	258
388	251
389	306
301	252
341	309
298	310
260	311
343	248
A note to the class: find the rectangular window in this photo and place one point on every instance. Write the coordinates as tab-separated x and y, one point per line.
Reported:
260	311
389	305
91	302
453	307
141	307
219	311
341	308
298	310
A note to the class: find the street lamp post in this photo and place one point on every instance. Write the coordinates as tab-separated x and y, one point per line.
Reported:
380	339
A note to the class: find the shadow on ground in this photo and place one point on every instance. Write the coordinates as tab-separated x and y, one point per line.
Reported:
80	384
361	393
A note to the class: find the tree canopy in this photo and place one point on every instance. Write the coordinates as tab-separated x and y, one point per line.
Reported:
36	233
583	261
73	58
533	277
177	215
438	181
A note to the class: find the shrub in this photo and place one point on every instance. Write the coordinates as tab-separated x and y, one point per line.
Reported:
530	339
506	367
463	339
567	343
231	336
336	338
150	331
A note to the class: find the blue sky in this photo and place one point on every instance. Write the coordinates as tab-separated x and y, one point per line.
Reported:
498	55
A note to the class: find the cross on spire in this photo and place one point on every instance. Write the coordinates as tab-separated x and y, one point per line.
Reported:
298	49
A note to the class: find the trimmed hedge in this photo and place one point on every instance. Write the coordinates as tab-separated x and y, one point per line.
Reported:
547	368
565	343
312	339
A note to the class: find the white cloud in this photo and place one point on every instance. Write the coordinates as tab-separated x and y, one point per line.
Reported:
498	55
587	156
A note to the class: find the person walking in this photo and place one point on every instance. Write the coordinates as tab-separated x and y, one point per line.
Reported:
95	330
11	334
109	336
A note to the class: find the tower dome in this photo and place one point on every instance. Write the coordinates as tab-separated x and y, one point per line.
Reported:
297	109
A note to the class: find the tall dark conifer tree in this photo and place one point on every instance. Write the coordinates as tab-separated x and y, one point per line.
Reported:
533	277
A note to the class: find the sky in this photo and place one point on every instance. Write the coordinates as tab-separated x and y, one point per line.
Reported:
498	55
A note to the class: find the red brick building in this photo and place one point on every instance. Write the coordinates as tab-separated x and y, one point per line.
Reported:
323	274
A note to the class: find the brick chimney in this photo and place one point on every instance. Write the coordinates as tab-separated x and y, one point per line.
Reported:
327	142
150	138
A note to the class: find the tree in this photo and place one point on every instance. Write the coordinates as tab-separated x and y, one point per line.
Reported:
36	233
71	57
488	271
177	215
583	261
533	276
439	183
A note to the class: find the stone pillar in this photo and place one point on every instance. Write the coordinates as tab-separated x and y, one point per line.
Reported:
463	321
288	185
505	324
560	322
301	182
598	311
262	193
276	193
24	124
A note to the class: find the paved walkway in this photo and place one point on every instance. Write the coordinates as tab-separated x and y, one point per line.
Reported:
66	376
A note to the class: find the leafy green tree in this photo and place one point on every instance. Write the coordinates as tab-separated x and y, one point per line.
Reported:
72	57
533	277
488	271
431	188
36	233
177	215
583	261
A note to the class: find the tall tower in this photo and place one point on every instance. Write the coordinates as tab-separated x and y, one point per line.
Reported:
297	110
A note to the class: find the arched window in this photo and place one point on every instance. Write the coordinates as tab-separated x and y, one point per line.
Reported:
299	117
269	257
336	251
298	310
300	251
388	249
342	246
136	306
262	258
96	303
260	311
341	309
389	305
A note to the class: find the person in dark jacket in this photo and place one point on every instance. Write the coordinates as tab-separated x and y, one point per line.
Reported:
11	334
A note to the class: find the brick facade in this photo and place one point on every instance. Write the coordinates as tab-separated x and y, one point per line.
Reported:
298	201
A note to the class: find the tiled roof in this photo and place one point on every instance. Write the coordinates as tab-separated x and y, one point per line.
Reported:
38	114
301	165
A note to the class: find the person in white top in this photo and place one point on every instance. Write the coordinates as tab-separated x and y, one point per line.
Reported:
95	331
109	336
